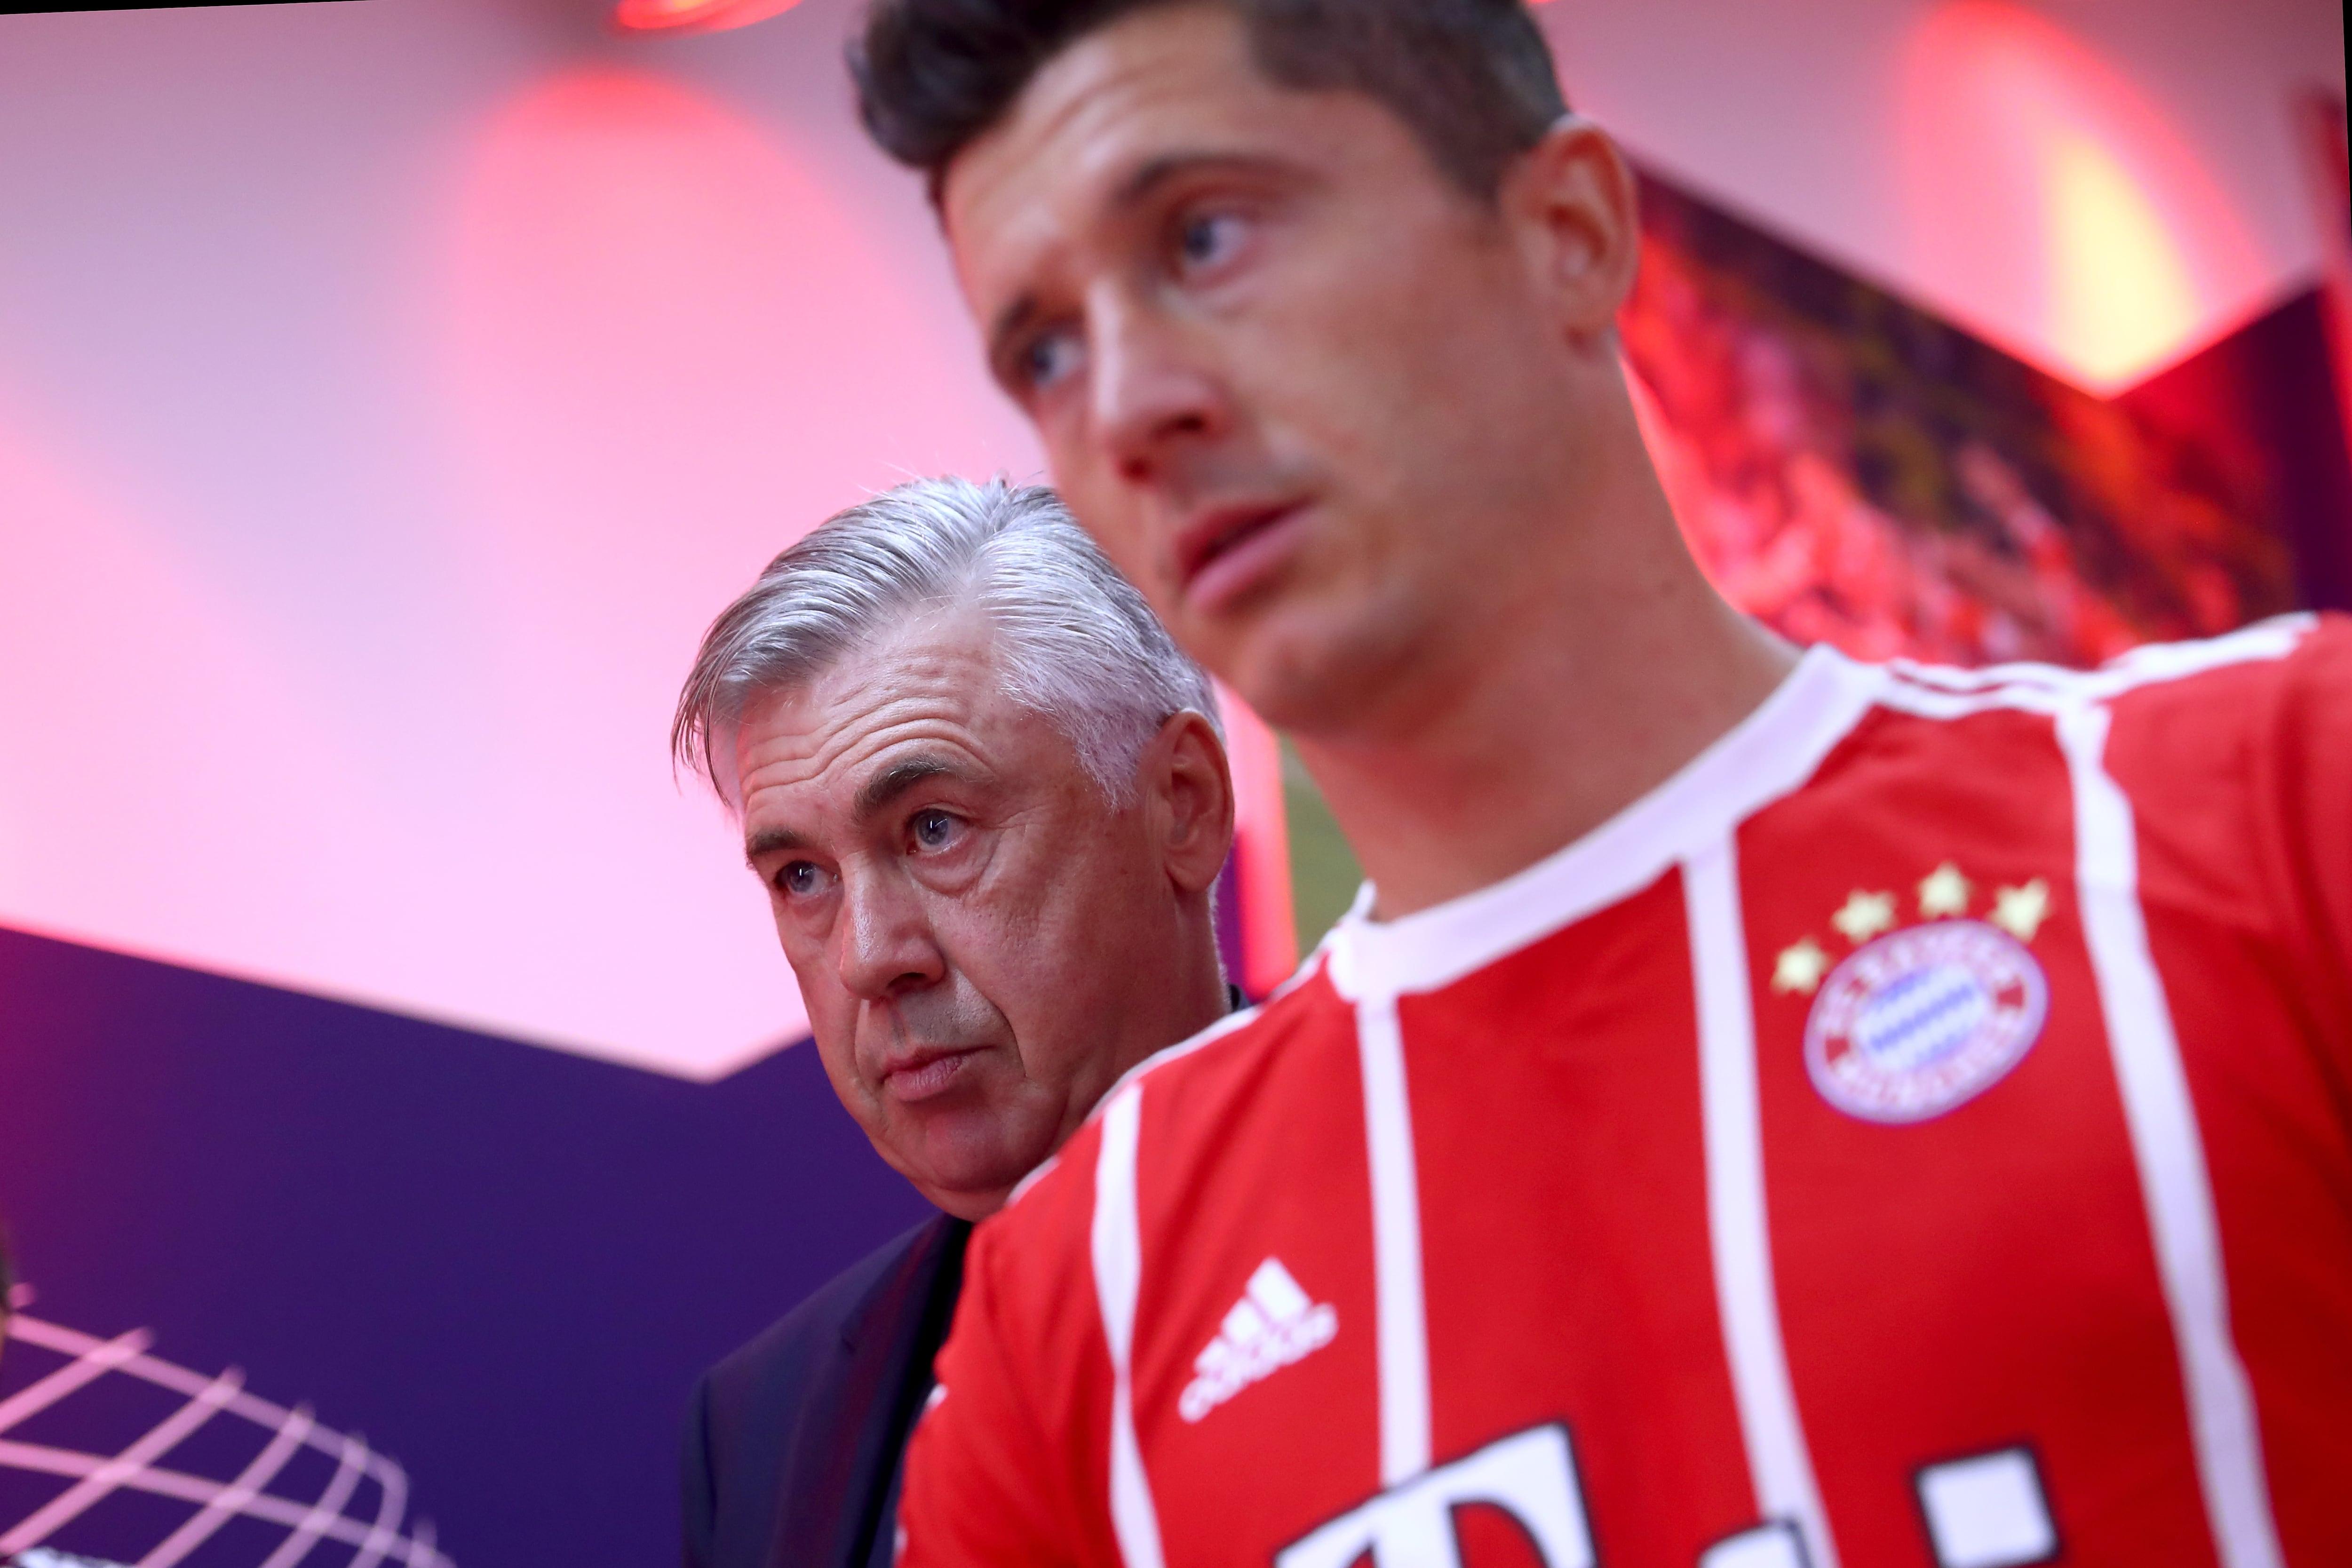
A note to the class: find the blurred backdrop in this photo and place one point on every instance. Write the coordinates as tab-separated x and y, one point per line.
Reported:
392	390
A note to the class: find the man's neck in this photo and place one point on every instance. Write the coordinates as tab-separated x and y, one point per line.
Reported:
1556	724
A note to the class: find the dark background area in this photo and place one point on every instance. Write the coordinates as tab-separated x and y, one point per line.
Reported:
503	1265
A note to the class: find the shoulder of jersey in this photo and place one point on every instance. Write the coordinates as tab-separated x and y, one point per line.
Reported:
1246	1034
1944	691
1930	691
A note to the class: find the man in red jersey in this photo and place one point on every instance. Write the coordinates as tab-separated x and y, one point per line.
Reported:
1774	1111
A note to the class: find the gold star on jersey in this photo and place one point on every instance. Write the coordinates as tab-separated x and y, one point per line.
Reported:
1944	892
1916	1020
1800	968
1864	916
2020	912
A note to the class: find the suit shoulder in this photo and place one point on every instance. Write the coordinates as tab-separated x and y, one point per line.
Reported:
791	1349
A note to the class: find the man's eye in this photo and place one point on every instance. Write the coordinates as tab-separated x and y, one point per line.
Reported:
1203	239
801	879
1048	358
934	829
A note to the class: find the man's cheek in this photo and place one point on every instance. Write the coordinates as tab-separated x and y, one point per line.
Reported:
836	1049
813	971
832	1012
1107	507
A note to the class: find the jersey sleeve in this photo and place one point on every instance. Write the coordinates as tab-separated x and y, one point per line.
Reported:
2311	745
1000	1467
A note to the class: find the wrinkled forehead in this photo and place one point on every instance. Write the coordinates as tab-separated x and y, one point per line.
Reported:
933	681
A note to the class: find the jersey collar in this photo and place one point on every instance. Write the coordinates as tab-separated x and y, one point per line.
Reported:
1766	755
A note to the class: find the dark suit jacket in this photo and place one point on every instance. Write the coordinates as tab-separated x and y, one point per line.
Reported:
792	1443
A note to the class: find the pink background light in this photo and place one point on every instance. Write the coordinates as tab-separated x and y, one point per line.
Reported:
1261	848
2099	187
389	395
696	15
2034	168
393	395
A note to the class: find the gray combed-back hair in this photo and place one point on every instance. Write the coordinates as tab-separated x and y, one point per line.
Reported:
1078	644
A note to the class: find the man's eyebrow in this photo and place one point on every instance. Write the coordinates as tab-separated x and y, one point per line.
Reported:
1148	176
770	840
1139	186
900	777
1009	323
880	791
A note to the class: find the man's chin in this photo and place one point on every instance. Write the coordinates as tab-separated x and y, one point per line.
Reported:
966	1160
1304	666
973	1193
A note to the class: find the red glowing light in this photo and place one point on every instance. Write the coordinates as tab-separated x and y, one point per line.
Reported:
695	15
1262	844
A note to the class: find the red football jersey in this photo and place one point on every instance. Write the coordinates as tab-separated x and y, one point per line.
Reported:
1916	1135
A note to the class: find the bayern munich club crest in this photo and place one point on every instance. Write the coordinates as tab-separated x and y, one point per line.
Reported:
1918	1020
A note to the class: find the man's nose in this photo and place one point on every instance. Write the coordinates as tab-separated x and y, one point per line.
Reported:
887	946
1154	392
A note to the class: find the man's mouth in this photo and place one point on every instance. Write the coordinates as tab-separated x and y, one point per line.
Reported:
1224	552
926	1074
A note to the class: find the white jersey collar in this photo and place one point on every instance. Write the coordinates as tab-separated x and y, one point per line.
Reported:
1766	755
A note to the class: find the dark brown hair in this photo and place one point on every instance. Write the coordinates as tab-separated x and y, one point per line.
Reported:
1472	79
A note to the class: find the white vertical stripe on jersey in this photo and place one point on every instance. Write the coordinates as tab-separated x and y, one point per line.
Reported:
1780	1465
1402	1336
1117	1238
2167	1149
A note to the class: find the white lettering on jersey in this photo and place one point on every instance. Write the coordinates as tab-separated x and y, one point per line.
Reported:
1274	1324
1988	1511
1530	1476
1773	1545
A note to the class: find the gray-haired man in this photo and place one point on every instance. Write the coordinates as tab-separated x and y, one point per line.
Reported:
988	799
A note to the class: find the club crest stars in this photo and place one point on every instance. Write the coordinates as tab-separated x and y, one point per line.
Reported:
1915	1019
2020	912
1943	894
1801	967
1864	916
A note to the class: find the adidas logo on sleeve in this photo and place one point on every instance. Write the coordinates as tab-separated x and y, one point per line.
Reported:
1273	1325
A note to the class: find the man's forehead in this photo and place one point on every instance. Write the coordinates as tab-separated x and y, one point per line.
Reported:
848	708
1116	98
802	779
786	739
935	680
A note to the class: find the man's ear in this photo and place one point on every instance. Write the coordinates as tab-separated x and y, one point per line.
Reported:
1574	202
1189	791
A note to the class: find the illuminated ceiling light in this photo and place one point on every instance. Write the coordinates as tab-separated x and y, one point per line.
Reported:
2121	298
694	16
2054	207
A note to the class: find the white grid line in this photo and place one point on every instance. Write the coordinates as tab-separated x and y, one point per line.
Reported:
242	1490
385	1535
327	1513
95	1475
185	1487
90	1364
86	1493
